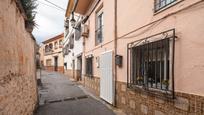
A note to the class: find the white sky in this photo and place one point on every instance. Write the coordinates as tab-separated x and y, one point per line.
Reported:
50	20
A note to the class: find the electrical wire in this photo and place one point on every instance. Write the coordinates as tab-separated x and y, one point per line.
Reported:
50	6
55	5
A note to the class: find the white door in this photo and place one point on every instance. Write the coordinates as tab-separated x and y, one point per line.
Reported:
106	80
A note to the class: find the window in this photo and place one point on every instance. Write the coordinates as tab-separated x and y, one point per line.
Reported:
151	62
50	47
56	45
60	42
78	32
89	66
47	48
159	4
48	62
99	28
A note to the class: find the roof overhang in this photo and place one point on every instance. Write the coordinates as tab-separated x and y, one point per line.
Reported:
54	38
70	7
78	6
83	6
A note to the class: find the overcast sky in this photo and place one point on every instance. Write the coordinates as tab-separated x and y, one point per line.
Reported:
50	19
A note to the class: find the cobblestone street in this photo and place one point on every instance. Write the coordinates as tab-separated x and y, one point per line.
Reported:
60	96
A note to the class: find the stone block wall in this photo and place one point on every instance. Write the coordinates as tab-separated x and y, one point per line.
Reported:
18	90
133	102
93	83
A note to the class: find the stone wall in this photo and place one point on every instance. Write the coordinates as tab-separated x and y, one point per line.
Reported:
73	74
18	91
135	102
139	103
93	83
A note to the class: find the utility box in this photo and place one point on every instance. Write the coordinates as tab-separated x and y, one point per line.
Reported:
118	60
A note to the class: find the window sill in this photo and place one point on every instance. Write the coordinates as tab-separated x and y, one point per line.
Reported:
153	92
166	7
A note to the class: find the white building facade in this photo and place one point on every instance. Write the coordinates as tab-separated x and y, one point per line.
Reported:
73	48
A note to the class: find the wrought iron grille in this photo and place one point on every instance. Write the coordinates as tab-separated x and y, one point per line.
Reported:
159	4
151	63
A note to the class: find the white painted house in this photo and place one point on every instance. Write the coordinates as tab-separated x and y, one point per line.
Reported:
73	48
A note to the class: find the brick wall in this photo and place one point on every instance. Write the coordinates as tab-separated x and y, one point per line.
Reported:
18	93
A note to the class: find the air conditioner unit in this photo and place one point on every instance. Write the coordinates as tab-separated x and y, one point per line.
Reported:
85	30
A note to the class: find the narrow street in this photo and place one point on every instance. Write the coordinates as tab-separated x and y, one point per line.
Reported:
60	96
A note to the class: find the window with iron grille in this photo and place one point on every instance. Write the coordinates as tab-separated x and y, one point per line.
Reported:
151	63
159	4
99	28
89	66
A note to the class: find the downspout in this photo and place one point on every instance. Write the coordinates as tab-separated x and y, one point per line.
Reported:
115	48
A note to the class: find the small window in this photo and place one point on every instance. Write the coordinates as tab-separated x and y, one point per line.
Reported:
99	28
89	66
159	4
48	62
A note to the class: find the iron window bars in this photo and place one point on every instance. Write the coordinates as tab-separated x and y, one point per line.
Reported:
89	66
99	29
151	64
160	4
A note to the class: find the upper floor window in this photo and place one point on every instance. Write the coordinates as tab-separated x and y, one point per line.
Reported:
56	44
60	42
99	27
50	47
47	48
78	32
159	4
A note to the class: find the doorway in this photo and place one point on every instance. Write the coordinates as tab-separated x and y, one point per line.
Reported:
79	67
106	80
56	63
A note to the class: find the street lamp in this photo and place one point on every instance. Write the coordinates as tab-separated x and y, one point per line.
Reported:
72	21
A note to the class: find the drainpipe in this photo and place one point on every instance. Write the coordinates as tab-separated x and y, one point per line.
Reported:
115	48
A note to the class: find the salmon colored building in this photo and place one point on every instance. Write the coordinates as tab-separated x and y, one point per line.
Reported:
144	56
53	56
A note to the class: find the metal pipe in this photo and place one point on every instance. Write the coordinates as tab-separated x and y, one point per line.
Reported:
115	48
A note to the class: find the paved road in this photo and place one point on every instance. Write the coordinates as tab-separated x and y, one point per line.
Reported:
60	96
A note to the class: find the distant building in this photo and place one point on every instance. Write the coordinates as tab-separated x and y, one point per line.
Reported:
53	56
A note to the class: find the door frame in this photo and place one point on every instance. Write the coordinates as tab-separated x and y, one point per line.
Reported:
113	77
55	63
